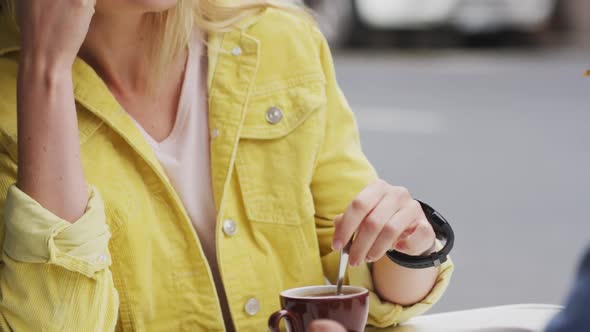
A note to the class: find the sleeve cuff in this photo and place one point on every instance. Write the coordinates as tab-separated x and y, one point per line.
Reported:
385	314
35	235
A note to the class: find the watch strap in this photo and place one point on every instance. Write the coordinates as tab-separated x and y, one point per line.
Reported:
443	232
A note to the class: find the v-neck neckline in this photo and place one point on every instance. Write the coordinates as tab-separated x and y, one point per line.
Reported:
183	108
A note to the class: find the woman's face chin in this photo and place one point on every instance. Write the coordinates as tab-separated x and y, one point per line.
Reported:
141	6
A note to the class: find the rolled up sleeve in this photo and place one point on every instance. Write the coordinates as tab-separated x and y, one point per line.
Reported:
35	235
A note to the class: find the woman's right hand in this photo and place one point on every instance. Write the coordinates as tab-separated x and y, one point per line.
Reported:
52	31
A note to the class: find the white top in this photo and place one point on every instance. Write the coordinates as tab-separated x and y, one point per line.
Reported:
184	155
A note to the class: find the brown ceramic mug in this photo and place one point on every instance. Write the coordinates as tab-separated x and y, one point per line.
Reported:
303	305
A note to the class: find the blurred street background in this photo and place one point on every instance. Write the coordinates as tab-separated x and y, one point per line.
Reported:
482	110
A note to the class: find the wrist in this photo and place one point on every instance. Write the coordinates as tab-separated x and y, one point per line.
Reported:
430	250
42	67
37	75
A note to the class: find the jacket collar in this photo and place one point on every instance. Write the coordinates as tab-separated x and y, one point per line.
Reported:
10	43
89	89
229	76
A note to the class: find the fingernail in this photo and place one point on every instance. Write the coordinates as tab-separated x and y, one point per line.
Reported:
337	245
369	259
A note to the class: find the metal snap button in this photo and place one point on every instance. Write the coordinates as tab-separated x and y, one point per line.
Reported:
230	227
274	115
252	307
236	51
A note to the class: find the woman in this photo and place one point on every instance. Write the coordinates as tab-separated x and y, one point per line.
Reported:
165	183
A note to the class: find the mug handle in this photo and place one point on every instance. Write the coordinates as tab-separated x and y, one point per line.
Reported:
275	320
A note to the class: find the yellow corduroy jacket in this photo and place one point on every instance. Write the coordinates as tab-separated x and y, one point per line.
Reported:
133	262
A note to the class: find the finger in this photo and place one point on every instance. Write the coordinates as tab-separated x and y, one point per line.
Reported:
404	219
412	228
400	245
337	221
409	231
371	227
360	207
391	231
325	326
419	241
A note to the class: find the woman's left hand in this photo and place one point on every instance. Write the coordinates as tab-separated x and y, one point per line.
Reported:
383	217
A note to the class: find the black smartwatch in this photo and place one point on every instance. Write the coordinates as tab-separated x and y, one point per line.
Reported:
444	233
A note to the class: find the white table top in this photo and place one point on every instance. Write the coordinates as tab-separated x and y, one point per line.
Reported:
510	318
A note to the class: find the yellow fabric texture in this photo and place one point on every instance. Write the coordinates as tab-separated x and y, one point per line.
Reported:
133	262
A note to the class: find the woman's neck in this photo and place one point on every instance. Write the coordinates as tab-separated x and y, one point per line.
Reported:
120	49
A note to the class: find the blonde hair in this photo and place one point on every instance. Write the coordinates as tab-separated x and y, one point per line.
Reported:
209	16
175	25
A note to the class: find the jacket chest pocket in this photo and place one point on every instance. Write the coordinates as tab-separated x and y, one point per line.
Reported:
276	153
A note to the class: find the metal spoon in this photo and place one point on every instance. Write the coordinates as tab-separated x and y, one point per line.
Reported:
342	265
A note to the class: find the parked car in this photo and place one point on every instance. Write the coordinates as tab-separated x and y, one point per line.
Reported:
340	19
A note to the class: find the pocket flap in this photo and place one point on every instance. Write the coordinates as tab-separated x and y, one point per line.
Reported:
291	107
